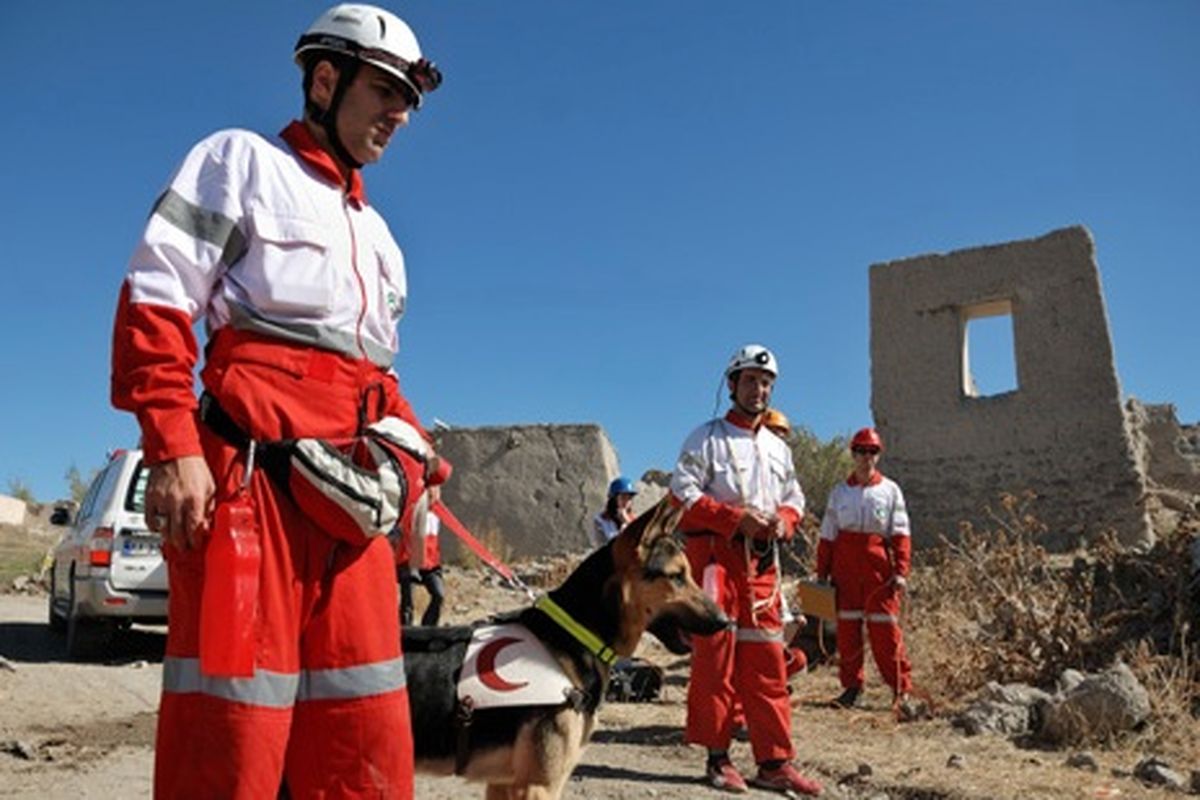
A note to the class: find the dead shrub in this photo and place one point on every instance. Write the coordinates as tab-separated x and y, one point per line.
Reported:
994	605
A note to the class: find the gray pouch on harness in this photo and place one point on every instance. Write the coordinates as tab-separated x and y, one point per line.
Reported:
360	488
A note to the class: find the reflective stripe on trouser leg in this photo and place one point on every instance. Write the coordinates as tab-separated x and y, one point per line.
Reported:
221	737
760	676
326	618
370	755
887	640
759	670
856	559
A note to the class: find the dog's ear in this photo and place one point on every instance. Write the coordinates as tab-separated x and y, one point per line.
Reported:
664	518
634	541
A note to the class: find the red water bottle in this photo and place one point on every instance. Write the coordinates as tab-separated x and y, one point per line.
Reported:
229	602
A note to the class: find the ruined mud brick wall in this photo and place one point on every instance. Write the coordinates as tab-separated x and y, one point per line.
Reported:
12	510
1169	451
526	490
1061	433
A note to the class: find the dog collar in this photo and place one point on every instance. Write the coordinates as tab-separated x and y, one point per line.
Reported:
585	637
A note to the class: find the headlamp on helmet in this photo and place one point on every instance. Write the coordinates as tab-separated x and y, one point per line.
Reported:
753	356
373	36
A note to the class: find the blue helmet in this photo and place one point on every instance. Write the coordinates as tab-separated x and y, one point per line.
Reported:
621	485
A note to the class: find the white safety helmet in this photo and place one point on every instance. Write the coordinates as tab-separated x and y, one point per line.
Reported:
373	36
753	356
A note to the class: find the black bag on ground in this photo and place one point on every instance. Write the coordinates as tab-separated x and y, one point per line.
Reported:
634	680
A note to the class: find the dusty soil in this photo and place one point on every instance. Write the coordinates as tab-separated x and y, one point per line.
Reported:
87	730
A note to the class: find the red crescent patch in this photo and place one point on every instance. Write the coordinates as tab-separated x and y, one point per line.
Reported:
485	666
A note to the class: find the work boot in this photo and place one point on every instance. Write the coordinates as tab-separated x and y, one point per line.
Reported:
847	699
785	778
722	774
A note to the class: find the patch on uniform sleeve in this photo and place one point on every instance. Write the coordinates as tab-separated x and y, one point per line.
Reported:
395	304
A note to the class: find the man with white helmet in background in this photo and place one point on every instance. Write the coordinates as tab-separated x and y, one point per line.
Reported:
272	241
738	484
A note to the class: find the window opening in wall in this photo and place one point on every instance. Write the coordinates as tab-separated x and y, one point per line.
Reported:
989	362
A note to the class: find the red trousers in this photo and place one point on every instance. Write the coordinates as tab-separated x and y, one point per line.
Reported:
746	664
327	707
862	572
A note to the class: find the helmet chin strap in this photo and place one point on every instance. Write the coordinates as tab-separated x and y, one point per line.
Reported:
327	117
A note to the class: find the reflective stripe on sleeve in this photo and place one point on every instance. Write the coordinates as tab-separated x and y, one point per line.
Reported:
850	615
207	226
888	618
352	682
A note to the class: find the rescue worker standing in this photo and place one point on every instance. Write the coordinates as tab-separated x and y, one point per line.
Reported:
272	242
419	560
737	482
865	546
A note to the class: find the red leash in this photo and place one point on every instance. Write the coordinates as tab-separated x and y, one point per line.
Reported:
478	548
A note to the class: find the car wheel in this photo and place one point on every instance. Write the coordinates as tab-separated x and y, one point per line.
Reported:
87	638
58	623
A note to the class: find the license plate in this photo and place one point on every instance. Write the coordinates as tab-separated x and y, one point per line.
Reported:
139	546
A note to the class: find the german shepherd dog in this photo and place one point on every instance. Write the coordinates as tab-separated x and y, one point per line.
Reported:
638	581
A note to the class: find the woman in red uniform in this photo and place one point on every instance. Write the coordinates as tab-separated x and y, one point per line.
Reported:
865	546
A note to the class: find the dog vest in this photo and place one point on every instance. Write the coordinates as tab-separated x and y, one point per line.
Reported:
506	665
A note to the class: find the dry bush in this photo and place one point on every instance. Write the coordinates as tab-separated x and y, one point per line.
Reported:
548	572
1173	683
996	606
799	555
992	607
820	465
493	541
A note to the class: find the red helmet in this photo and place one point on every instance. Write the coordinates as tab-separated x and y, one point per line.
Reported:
867	437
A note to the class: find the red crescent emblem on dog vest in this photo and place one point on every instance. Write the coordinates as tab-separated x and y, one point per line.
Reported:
485	665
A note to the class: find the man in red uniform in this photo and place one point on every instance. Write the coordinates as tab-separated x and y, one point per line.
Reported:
272	241
419	560
865	546
736	479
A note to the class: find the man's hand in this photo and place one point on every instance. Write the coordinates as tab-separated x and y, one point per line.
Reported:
754	524
900	582
178	495
759	525
778	528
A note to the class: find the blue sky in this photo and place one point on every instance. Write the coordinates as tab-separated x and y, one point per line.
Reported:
606	199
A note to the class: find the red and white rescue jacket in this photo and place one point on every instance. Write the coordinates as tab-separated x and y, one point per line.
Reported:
726	466
262	235
874	509
427	540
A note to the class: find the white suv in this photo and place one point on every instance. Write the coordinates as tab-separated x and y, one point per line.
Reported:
108	570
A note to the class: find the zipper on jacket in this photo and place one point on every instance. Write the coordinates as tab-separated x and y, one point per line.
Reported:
362	286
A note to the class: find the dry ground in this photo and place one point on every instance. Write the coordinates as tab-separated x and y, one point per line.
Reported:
86	730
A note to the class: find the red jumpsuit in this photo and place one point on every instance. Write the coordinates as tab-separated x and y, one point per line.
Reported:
865	540
724	466
301	286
